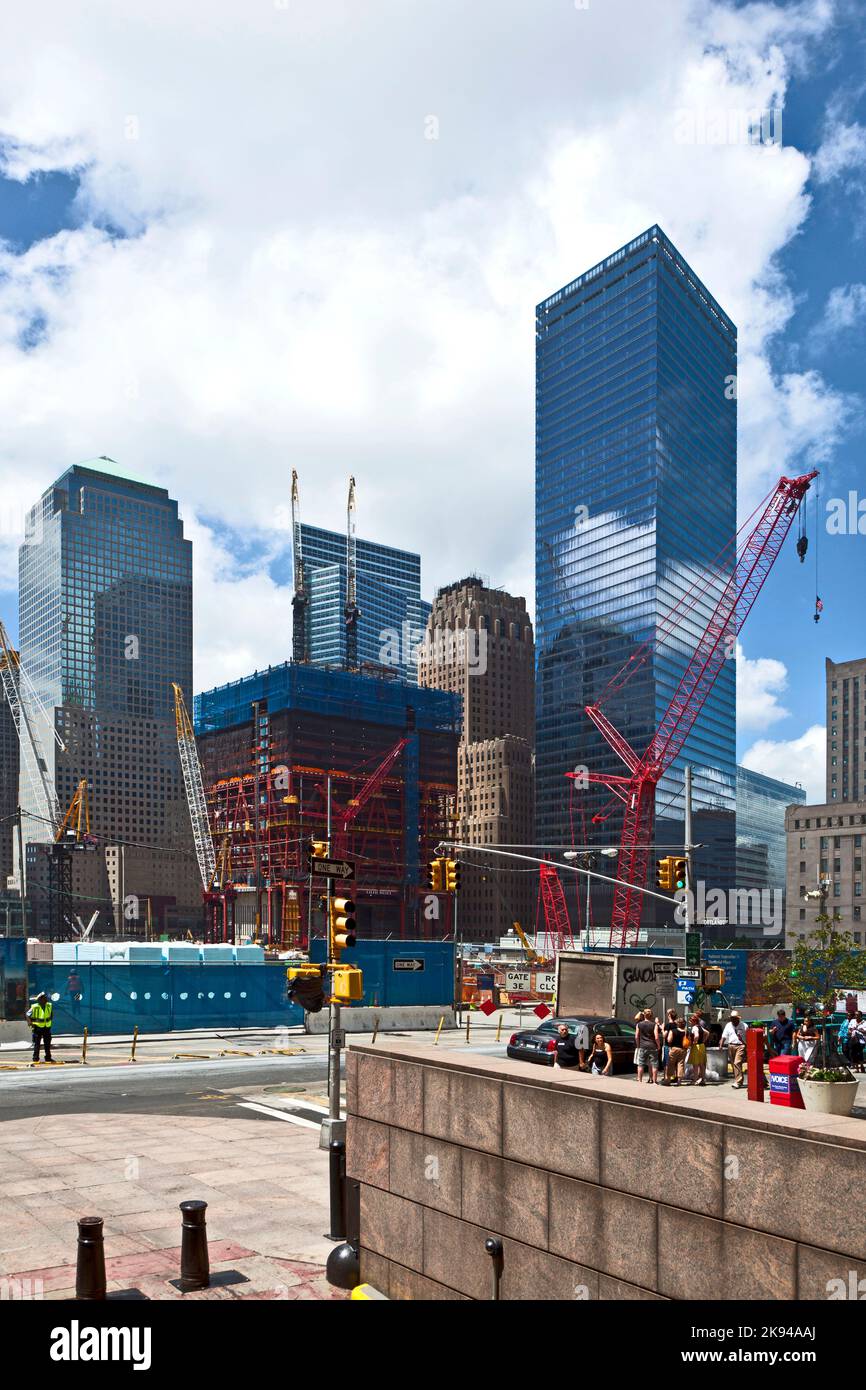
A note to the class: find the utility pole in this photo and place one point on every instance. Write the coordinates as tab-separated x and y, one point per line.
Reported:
334	1127
689	848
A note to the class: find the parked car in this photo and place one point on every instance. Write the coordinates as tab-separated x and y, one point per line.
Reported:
539	1044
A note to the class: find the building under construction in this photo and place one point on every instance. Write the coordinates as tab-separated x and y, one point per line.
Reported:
273	743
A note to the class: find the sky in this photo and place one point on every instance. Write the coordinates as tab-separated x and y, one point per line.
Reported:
237	239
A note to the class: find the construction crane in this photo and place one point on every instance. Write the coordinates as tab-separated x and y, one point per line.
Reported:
299	598
370	787
531	954
23	700
351	609
194	787
557	935
755	558
72	834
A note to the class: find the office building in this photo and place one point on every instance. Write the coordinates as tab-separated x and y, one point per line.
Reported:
105	593
635	510
762	803
8	790
479	644
825	842
392	614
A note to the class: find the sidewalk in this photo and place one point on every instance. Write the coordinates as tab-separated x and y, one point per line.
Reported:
266	1186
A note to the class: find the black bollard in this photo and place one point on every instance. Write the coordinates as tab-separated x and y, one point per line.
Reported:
494	1250
90	1268
337	1176
194	1262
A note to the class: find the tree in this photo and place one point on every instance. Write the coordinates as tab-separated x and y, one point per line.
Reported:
824	961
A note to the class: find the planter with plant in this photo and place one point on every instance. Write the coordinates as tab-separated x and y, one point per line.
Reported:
829	1090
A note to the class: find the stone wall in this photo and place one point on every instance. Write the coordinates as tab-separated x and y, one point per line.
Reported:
598	1189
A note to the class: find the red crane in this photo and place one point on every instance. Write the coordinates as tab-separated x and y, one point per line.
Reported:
754	561
370	787
557	935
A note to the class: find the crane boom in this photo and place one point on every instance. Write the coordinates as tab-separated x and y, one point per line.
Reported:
370	787
299	598
194	787
20	693
756	559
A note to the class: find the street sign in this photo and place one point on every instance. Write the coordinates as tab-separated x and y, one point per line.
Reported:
331	868
545	982
338	1039
517	980
693	948
407	963
664	967
685	996
685	974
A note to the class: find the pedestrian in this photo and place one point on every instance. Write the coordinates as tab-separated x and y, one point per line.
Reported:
857	1040
807	1038
670	1022
782	1035
734	1039
675	1037
698	1038
40	1016
571	1047
646	1037
601	1056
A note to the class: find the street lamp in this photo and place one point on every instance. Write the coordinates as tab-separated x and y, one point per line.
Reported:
588	860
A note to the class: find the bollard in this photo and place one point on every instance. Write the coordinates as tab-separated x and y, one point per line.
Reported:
499	1029
134	1041
90	1267
337	1184
194	1262
84	1048
755	1063
439	1030
375	1029
468	1020
493	1246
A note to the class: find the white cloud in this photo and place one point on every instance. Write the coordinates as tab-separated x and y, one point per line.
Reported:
313	283
793	760
842	150
759	684
845	308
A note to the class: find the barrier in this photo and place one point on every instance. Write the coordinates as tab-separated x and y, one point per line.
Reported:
163	998
399	973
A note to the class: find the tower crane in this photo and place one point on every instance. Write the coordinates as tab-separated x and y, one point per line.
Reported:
351	610
299	598
194	787
24	703
756	556
370	787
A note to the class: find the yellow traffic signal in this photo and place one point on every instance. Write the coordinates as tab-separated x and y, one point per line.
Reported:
436	875
452	875
319	849
679	873
664	874
712	978
342	926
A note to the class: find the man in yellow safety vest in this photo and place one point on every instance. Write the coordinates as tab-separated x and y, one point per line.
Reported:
40	1016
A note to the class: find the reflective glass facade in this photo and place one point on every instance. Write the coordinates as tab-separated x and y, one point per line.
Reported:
761	836
393	615
105	594
635	499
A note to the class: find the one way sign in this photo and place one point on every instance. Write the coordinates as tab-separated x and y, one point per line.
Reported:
408	963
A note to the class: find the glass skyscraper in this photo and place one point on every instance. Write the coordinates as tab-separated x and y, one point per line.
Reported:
761	834
393	616
635	506
105	596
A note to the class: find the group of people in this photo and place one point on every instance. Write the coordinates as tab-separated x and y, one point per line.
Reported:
852	1040
664	1050
573	1050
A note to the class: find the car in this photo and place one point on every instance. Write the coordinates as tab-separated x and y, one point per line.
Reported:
539	1044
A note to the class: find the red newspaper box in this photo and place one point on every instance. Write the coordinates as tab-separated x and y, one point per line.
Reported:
784	1086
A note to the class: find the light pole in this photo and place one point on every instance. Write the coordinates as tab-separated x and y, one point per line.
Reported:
588	861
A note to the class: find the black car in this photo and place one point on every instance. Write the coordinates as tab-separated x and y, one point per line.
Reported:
539	1044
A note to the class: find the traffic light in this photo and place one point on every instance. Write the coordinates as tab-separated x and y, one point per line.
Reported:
712	978
319	849
342	924
678	874
664	874
452	875
306	987
436	875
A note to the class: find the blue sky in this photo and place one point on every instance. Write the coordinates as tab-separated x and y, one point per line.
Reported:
263	261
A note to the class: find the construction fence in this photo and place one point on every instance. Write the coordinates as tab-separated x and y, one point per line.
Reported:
163	998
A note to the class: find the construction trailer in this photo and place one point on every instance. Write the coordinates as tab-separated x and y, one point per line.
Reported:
270	745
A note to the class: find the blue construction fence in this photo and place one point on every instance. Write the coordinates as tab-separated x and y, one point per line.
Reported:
407	973
163	998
